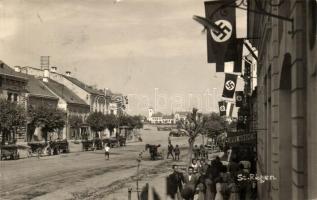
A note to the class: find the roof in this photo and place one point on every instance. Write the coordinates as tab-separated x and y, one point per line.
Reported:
182	113
8	71
37	88
168	117
158	114
64	92
82	85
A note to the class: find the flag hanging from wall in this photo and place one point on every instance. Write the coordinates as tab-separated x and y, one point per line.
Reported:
239	98
230	85
229	110
222	45
222	108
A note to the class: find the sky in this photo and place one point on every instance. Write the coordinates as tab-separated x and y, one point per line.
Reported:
150	50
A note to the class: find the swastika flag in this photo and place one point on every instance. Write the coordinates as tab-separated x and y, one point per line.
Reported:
223	46
229	86
239	98
222	108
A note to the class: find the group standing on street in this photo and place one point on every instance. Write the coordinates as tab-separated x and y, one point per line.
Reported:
211	181
172	151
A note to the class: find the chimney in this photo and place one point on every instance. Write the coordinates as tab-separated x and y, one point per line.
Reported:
68	73
46	75
54	69
17	68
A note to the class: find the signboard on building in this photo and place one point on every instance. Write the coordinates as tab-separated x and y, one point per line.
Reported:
242	138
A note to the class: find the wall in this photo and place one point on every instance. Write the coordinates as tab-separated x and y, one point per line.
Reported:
286	109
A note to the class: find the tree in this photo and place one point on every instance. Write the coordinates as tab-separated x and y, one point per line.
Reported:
194	125
49	119
97	122
76	122
137	121
111	122
12	115
214	125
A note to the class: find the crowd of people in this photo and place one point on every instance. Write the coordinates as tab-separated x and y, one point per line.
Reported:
211	181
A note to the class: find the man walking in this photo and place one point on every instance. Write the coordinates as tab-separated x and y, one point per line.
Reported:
170	150
107	151
177	152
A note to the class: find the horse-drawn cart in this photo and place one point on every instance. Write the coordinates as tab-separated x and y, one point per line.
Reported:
155	154
9	152
92	145
49	148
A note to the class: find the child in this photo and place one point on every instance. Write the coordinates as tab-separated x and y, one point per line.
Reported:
107	151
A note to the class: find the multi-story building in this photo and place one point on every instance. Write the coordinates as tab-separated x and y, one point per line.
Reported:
73	106
286	97
12	84
95	98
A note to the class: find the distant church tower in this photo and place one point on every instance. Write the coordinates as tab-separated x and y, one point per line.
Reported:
151	111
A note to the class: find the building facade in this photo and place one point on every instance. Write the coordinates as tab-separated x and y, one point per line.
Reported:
74	106
12	84
286	95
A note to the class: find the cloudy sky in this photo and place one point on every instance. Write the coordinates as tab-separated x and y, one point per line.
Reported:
146	49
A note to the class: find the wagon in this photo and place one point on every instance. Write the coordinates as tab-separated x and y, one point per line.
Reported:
38	147
9	152
58	146
154	152
112	142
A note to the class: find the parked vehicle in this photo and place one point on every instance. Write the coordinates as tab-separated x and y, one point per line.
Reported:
164	128
9	152
177	133
113	142
58	146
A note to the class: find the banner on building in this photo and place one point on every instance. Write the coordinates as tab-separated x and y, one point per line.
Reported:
222	108
239	98
242	138
242	118
229	110
229	86
222	45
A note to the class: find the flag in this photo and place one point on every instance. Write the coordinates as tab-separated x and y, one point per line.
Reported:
239	98
229	86
222	108
229	109
238	45
242	117
222	45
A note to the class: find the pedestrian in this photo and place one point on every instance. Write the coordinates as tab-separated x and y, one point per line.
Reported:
107	151
195	165
234	190
203	167
191	181
177	152
170	150
196	152
202	151
175	183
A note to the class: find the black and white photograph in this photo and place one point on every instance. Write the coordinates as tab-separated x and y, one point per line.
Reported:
158	99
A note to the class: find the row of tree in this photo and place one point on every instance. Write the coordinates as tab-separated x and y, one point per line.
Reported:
99	122
14	116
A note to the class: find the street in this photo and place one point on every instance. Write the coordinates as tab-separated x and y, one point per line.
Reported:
83	175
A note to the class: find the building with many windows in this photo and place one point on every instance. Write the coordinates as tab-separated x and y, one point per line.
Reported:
12	84
286	97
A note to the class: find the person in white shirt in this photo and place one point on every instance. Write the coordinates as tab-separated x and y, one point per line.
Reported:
107	151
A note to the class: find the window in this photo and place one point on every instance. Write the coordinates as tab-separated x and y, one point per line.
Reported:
9	96
15	97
